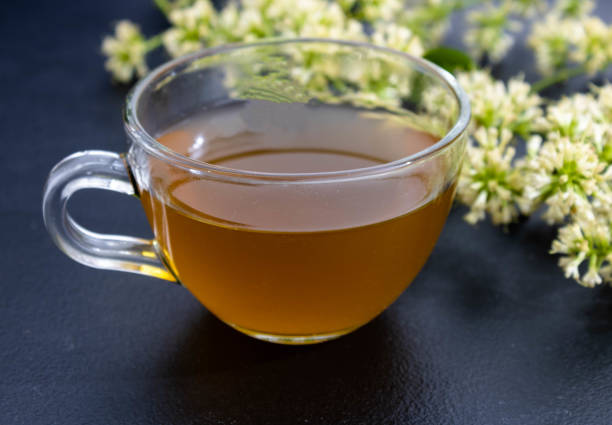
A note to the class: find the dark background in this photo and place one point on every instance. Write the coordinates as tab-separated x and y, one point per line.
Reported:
489	333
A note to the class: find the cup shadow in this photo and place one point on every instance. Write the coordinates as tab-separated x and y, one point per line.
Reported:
218	375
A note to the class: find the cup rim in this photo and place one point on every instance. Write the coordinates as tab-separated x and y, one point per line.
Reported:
138	134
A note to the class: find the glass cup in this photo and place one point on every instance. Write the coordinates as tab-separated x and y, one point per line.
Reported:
343	244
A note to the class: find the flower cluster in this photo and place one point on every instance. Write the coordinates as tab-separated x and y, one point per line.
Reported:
551	40
501	113
587	239
488	182
492	27
201	25
429	19
191	25
593	47
196	24
525	154
126	52
489	33
577	184
569	35
372	10
567	169
496	104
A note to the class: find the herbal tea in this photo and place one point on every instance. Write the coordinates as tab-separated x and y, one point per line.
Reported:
278	258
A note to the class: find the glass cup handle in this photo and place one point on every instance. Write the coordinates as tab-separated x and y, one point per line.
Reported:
96	170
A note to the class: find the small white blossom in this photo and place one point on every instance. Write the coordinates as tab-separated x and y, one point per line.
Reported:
562	174
573	8
495	104
194	17
125	52
552	40
329	22
372	10
533	145
572	116
228	19
587	238
428	19
488	98
567	35
191	27
398	38
251	26
488	32
487	182
570	265
179	43
593	46
591	278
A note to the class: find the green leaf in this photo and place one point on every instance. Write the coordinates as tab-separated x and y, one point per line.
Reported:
450	59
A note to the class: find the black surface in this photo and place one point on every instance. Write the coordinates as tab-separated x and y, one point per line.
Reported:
489	333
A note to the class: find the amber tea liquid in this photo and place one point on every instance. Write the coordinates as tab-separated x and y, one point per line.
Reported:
296	259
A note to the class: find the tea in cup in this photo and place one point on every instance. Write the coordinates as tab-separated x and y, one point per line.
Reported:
294	187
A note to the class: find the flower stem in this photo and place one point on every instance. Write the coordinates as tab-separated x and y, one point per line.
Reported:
562	75
153	42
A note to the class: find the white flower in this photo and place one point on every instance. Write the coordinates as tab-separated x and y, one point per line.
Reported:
562	174
428	19
192	25
573	8
525	107
570	265
587	238
194	17
551	40
179	42
227	21
487	182
572	116
533	145
251	26
373	10
591	278
488	98
125	52
568	35
495	104
487	33
398	38
329	21
593	46
561	203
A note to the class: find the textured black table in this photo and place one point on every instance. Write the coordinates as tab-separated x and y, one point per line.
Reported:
489	333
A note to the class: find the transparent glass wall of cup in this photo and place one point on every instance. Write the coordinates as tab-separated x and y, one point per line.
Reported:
296	292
